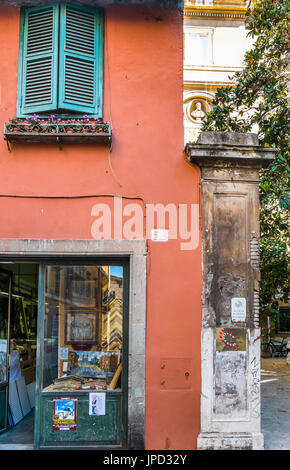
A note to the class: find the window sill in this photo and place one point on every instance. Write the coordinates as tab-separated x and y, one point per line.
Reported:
59	133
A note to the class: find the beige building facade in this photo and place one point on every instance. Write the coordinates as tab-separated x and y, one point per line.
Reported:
215	41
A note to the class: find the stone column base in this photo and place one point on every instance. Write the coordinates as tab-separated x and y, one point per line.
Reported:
230	441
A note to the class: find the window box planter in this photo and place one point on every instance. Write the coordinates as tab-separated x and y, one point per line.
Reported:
57	131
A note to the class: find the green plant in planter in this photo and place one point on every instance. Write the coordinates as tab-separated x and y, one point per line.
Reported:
33	124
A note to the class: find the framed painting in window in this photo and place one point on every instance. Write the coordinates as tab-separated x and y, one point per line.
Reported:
81	326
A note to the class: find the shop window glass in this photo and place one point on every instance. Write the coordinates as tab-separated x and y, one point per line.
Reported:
83	328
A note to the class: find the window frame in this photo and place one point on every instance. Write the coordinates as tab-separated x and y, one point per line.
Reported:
282	311
62	113
196	30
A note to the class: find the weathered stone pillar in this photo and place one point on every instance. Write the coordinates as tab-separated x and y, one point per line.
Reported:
230	398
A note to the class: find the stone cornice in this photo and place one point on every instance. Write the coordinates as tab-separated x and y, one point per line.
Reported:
206	86
215	13
229	148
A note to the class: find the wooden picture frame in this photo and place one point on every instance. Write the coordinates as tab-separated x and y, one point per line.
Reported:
81	326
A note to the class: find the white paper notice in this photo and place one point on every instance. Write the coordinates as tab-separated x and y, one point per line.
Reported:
97	404
159	235
238	309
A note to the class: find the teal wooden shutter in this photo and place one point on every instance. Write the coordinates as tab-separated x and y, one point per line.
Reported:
80	60
39	64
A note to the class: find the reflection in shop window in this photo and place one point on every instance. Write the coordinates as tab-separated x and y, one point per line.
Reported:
83	330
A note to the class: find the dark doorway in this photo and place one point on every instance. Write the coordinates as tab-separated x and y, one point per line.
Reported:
18	340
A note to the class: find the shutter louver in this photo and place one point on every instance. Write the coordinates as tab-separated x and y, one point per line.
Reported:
40	60
80	87
79	59
80	31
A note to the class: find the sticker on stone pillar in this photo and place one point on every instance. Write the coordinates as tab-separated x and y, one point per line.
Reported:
231	339
238	309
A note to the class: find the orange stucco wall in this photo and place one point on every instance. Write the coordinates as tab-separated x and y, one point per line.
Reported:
143	96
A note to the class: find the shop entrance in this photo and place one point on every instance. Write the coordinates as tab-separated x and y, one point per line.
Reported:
63	354
18	341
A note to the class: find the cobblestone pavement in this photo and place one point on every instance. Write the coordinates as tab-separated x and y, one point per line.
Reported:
275	403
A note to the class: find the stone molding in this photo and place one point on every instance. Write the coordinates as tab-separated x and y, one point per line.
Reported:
219	10
218	148
215	14
10	247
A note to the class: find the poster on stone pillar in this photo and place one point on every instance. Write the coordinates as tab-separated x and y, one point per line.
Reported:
230	372
231	339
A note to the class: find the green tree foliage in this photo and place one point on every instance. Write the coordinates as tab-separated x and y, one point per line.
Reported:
258	101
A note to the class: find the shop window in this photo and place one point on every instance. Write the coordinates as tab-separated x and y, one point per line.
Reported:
283	320
83	329
60	60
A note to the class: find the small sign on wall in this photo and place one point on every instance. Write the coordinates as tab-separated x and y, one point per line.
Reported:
159	235
238	309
